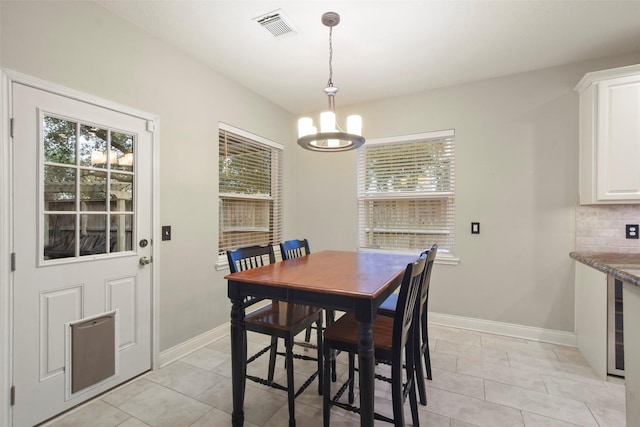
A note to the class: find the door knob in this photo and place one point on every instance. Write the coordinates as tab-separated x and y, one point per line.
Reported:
144	260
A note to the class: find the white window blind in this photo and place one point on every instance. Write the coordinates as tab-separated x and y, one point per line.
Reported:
250	190
406	193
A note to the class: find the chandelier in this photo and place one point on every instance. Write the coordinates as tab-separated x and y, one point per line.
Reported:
331	137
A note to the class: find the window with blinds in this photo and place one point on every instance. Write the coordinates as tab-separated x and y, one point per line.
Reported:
406	193
250	190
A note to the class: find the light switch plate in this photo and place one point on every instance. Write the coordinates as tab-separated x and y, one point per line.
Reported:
166	232
475	228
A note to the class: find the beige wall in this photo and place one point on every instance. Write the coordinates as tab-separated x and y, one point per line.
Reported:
516	174
83	46
517	166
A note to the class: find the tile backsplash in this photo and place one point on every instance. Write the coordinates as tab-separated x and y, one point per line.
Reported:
601	228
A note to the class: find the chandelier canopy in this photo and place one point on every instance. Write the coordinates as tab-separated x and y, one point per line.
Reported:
331	137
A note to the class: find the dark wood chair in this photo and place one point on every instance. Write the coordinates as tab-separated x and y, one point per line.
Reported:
392	338
421	335
279	320
294	249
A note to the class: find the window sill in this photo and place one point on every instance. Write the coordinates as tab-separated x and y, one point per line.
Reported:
222	264
442	259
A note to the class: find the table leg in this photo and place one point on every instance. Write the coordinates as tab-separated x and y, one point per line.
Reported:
238	361
366	372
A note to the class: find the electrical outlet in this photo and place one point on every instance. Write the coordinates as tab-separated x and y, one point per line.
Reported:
632	231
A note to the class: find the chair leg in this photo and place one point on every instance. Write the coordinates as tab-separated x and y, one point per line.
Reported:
326	383
419	373
319	347
411	378
352	380
272	358
425	344
291	392
396	393
307	335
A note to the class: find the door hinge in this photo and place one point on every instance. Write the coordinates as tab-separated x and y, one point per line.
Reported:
13	395
13	261
11	126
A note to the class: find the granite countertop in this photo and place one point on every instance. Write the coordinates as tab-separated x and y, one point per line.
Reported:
625	267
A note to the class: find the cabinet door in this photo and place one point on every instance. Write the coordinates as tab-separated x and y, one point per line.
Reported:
591	316
618	147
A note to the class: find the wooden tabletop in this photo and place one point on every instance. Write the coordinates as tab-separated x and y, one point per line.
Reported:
361	274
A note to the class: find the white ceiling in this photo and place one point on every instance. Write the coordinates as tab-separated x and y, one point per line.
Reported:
384	48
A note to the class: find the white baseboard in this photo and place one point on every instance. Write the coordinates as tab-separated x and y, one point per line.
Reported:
195	343
488	326
507	329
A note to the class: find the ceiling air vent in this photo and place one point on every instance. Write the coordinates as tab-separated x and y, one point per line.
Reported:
276	23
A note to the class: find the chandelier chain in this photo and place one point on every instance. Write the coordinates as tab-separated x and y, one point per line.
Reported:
330	82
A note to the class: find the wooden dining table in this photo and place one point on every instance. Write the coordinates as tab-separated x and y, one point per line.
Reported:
356	282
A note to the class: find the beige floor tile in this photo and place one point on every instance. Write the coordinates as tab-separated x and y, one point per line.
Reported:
260	403
437	332
164	407
458	383
129	391
472	351
97	413
599	396
608	417
569	410
535	420
217	418
500	373
133	422
206	358
184	378
473	411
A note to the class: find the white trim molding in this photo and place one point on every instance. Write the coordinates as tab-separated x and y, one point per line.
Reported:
193	344
507	329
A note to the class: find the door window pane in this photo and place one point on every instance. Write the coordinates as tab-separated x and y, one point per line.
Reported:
60	185
59	141
93	236
59	236
93	147
121	238
121	192
122	147
93	190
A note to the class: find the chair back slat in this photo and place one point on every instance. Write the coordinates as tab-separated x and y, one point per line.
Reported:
250	257
294	248
405	309
426	276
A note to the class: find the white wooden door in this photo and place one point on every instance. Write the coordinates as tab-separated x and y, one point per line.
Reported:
82	225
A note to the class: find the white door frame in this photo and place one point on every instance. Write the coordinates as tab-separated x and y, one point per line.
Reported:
6	221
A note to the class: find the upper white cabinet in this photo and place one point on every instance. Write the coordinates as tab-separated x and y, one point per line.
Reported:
610	136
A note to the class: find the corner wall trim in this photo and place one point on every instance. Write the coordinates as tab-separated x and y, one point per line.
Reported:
195	343
508	329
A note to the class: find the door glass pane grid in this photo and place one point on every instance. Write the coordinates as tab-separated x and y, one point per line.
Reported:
88	198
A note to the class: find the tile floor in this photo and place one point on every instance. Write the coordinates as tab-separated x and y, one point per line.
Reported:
479	379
